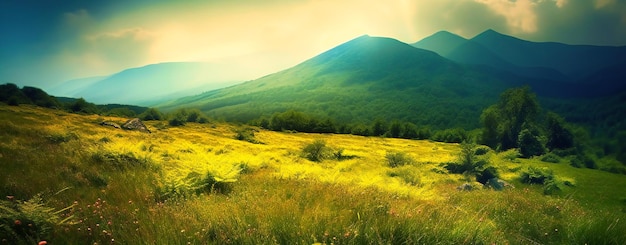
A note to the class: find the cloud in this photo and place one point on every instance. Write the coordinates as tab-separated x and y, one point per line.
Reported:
520	15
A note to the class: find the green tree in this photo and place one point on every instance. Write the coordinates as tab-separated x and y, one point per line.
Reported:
179	118
410	131
529	143
490	135
151	114
395	129
559	136
379	127
82	106
502	122
40	97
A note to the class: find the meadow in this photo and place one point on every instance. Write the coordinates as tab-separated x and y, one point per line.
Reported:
65	179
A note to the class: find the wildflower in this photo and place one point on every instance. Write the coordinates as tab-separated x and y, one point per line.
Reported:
17	222
42	243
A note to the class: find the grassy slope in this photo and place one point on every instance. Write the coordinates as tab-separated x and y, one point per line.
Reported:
117	179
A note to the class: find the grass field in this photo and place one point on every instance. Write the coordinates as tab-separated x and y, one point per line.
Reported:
67	180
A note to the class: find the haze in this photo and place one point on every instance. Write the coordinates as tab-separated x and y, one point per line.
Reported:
44	43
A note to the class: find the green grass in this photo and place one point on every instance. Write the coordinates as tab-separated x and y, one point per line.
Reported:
112	190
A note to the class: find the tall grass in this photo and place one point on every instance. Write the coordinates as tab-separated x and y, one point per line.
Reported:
120	189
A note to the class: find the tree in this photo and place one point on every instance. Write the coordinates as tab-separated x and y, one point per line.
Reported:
502	122
82	106
151	114
559	136
529	143
379	127
395	129
409	131
179	118
489	119
39	97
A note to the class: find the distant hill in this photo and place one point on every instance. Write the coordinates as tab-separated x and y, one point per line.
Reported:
363	79
547	60
442	43
575	61
151	84
71	88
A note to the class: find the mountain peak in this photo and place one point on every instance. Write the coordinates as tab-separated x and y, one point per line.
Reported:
494	36
442	42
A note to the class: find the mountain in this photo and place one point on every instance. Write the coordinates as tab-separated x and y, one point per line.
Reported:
153	83
548	60
441	42
575	61
72	87
360	80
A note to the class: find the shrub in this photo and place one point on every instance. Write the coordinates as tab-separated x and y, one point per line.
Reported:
481	150
151	114
529	144
316	151
467	162
246	134
583	160
511	155
177	121
27	222
397	159
550	157
565	152
486	174
535	175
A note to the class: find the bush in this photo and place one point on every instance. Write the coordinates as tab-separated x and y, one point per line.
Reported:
534	175
583	161
550	157
316	151
565	152
529	144
486	174
246	134
481	150
397	159
151	114
28	222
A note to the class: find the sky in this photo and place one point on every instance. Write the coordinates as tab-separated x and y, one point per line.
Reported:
43	43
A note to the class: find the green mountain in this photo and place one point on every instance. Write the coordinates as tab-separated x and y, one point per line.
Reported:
442	43
361	80
575	61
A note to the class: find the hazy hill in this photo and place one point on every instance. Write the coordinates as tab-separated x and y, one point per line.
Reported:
575	61
72	87
442	43
152	83
364	79
543	60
